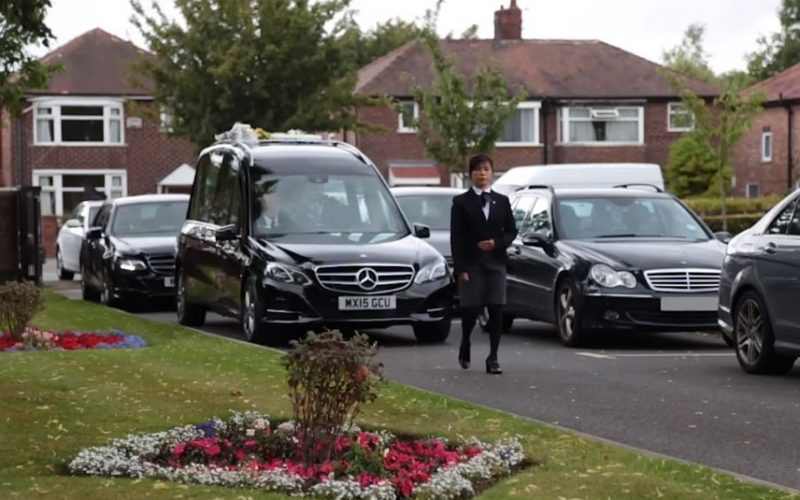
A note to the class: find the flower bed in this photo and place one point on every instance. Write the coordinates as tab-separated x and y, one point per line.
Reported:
248	451
34	339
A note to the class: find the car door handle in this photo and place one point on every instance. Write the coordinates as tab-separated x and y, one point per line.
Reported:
769	248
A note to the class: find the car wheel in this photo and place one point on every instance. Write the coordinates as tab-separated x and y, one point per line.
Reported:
252	314
568	315
188	314
107	293
87	292
433	332
728	339
755	342
63	274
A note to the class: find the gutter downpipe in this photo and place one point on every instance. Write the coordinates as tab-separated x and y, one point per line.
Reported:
789	142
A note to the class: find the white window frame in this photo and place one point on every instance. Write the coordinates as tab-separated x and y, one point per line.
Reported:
598	108
747	190
766	137
674	109
537	106
58	188
402	128
56	104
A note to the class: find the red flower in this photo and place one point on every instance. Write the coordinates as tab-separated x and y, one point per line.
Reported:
240	454
178	450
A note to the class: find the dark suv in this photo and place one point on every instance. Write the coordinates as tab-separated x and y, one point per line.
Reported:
297	233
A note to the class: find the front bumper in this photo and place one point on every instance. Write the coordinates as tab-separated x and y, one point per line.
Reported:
313	306
605	310
145	285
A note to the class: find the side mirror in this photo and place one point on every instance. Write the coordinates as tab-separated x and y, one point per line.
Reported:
94	233
422	231
226	233
536	240
723	236
73	223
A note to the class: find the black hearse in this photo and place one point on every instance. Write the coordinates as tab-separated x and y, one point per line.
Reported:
299	233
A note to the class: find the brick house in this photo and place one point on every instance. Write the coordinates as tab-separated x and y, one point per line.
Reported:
765	158
588	102
90	129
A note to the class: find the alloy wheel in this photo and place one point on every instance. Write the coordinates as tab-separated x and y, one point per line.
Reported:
750	331
566	312
180	300
59	263
249	314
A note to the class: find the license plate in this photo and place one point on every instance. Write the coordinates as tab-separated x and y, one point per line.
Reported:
689	303
367	303
169	282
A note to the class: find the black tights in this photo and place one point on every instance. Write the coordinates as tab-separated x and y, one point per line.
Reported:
469	316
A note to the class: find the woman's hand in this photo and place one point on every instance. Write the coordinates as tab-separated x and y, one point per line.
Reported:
463	277
486	245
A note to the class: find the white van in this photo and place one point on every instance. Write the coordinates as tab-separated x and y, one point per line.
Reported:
579	175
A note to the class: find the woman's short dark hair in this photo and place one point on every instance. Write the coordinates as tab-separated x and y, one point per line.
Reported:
477	160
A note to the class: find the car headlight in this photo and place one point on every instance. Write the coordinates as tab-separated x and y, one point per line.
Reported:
432	272
287	274
131	265
607	277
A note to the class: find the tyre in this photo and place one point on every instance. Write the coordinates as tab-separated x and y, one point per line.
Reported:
569	315
755	341
252	314
107	293
188	314
433	332
87	292
63	274
728	339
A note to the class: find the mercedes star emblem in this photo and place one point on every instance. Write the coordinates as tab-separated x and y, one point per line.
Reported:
367	278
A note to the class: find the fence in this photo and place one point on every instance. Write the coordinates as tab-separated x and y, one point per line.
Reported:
21	251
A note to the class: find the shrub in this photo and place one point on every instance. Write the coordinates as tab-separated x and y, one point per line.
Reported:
736	223
329	379
735	206
19	302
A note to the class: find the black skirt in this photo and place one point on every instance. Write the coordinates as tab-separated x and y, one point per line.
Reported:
485	287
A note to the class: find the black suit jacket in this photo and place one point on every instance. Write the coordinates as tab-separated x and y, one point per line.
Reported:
468	226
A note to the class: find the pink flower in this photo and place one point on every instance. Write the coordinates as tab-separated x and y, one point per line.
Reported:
178	450
240	454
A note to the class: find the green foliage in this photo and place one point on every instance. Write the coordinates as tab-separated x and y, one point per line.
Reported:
461	117
780	50
22	25
274	64
733	224
690	169
689	58
707	206
329	378
19	302
364	47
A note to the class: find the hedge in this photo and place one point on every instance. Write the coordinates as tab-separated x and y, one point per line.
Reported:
736	223
705	207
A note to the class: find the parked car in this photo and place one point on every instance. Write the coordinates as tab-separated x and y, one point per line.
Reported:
612	258
579	175
430	206
70	238
128	254
299	233
759	288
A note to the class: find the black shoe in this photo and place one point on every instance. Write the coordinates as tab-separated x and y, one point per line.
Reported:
493	367
463	355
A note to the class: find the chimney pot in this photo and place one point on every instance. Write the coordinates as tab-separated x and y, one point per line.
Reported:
508	23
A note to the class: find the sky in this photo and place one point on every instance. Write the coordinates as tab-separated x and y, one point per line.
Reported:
644	27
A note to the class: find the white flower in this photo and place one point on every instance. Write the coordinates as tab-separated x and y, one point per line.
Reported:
261	424
250	432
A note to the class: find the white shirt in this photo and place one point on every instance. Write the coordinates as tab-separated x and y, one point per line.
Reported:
484	206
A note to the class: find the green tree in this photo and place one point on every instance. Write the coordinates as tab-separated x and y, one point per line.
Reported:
780	50
274	64
717	128
690	169
689	58
458	116
382	39
21	26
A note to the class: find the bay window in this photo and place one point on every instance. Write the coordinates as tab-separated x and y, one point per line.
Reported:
610	125
522	129
82	122
63	190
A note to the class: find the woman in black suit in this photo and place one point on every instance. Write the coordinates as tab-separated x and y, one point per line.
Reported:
482	227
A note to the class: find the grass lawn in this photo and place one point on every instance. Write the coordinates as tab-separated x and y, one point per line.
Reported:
53	404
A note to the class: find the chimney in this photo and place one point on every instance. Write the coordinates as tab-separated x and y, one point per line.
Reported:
508	23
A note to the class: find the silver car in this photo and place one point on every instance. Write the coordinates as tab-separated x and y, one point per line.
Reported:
70	238
430	206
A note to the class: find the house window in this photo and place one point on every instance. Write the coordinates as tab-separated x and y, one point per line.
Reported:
63	190
609	125
409	111
78	121
679	118
522	128
766	146
165	120
752	190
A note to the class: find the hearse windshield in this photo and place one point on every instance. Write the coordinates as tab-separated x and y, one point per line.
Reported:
338	207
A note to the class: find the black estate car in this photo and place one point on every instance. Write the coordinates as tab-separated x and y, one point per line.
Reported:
611	258
759	289
298	233
129	252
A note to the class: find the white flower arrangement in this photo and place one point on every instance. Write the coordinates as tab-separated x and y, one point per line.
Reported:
133	455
